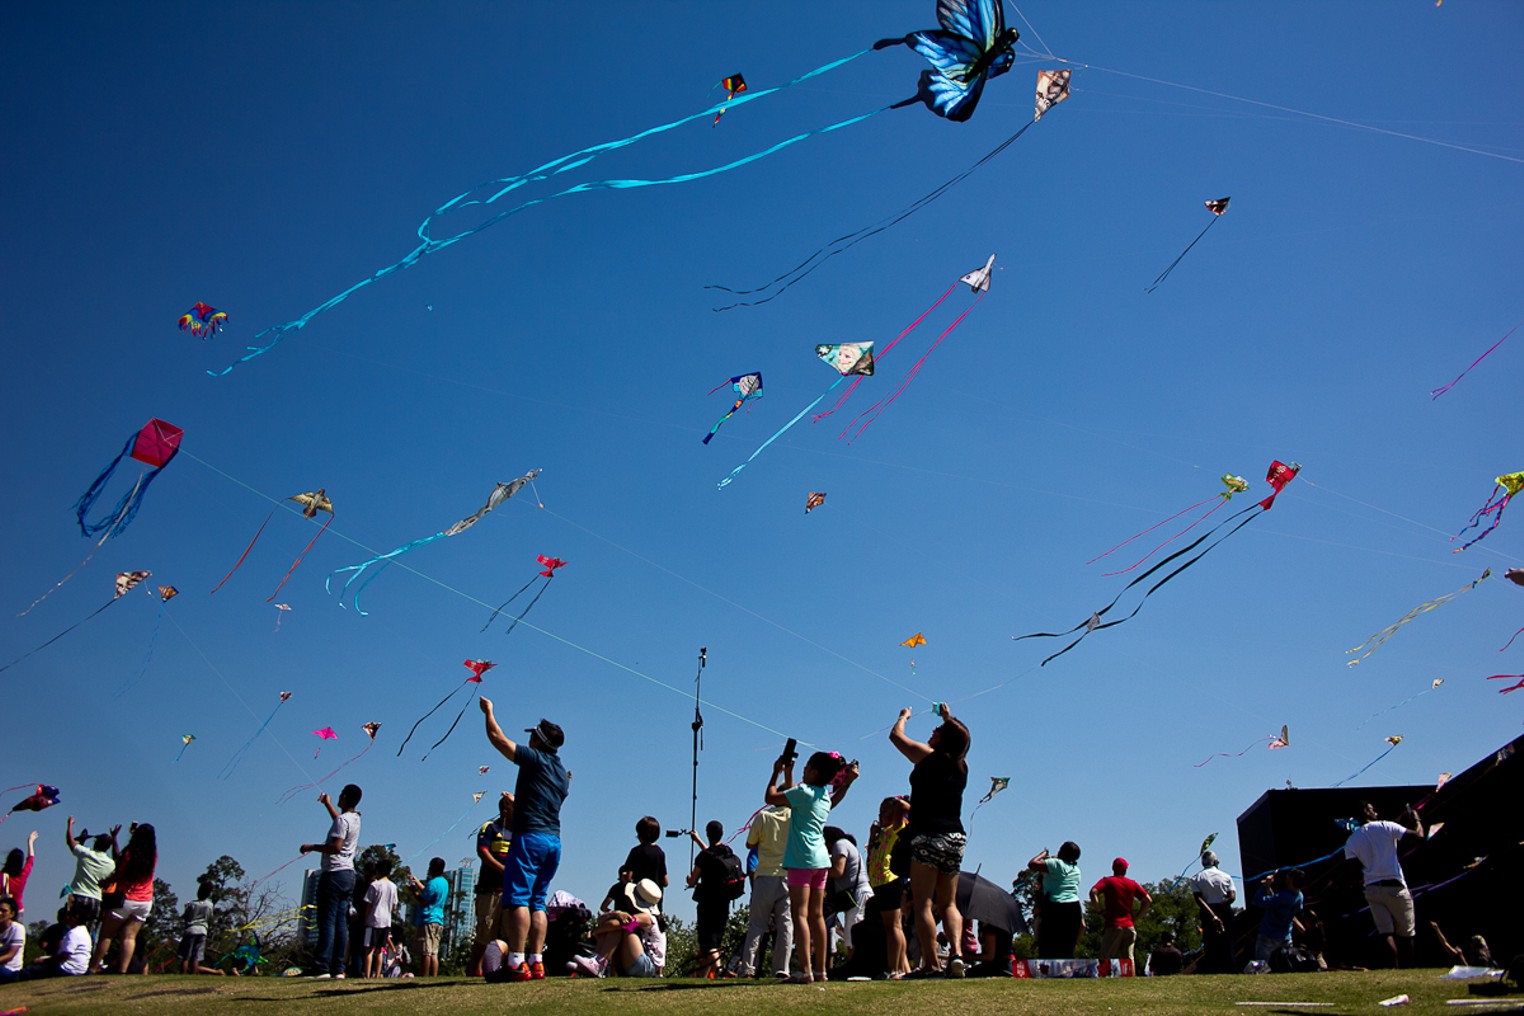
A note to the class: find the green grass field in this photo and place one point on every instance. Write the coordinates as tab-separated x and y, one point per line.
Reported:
1348	993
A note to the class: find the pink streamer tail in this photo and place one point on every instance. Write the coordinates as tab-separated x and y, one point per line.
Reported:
239	563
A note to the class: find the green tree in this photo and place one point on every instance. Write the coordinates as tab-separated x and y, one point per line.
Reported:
1174	910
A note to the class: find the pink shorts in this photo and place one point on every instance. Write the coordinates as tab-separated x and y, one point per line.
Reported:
812	878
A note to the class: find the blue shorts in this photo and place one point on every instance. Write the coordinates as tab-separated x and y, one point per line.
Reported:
527	870
640	966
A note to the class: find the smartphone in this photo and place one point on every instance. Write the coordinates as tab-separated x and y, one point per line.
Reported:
936	709
791	750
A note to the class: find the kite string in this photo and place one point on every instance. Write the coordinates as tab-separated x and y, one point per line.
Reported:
1172	539
1437	392
761	448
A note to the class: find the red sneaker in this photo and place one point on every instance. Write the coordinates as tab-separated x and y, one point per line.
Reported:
520	973
537	971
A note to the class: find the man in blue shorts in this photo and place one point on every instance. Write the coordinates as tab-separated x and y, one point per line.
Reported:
536	849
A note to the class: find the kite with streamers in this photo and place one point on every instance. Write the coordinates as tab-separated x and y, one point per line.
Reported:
203	320
125	582
43	797
312	502
370	741
1375	642
155	445
1273	741
166	593
734	85
1437	392
1278	476
1234	485
232	763
997	784
1508	677
477	668
281	610
1507	485
550	564
814	500
915	640
1433	686
1216	207
746	386
185	742
972	45
1392	743
323	734
500	493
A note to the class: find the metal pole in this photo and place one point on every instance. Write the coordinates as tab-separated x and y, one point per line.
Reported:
698	744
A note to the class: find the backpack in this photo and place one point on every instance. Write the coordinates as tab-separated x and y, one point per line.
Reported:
732	884
1293	959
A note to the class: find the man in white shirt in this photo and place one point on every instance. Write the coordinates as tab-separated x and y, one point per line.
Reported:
336	883
1374	845
1214	892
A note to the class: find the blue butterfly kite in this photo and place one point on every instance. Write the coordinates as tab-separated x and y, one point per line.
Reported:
972	45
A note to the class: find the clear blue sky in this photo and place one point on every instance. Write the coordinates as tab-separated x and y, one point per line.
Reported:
262	157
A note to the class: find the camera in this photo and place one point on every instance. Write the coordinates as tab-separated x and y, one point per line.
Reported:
673	834
791	750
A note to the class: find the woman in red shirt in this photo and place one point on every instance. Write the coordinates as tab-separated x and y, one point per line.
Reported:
17	869
134	880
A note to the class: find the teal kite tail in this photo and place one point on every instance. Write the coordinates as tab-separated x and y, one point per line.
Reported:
737	470
359	569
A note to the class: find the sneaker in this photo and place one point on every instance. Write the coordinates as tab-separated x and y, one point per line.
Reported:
537	970
922	973
587	966
955	967
339	976
518	973
322	977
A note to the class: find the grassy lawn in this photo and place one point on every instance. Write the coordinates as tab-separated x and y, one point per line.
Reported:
1349	993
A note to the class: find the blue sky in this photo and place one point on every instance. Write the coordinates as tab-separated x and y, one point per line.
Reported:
265	157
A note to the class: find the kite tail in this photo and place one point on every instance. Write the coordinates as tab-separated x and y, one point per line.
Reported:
232	763
880	356
1379	639
239	563
152	641
842	244
1493	508
288	795
737	470
60	635
447	733
182	750
1511	638
298	561
1165	274
1367	765
716	428
1150	529
878	407
57	585
90	496
1172	539
425	716
359	569
505	603
1237	754
1437	392
527	609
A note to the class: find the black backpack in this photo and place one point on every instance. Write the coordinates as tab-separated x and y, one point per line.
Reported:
727	879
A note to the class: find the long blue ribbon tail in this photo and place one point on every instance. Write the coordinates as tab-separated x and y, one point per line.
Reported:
359	569
152	641
232	763
737	470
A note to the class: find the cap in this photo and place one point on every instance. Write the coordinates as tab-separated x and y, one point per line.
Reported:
1121	862
550	733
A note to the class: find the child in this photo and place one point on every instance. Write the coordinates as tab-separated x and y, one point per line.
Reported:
380	900
646	859
804	854
12	941
618	897
888	884
72	956
431	901
198	918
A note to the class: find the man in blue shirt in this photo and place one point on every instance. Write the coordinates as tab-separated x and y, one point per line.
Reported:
535	854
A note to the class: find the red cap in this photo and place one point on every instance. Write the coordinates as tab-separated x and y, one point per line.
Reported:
1120	862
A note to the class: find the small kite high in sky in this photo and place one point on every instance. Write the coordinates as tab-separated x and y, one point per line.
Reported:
282	609
1273	741
203	320
915	640
746	386
500	493
734	85
1507	485
1278	476
550	565
125	583
1375	642
1216	207
814	500
312	502
154	445
477	668
370	740
997	784
1234	485
166	593
185	742
1052	88
232	763
323	734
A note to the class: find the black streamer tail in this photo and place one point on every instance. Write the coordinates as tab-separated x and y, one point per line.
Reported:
509	630
447	733
1165	274
505	603
55	638
425	716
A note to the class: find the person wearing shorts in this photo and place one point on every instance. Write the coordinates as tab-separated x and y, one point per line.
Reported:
135	866
198	922
1374	845
431	902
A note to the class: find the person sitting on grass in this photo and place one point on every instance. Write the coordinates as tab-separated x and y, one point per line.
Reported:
12	941
71	957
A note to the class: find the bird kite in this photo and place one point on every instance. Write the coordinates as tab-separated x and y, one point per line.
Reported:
972	45
1437	392
1216	207
477	668
370	740
1509	484
815	499
312	502
185	742
500	493
1392	742
734	86
1375	642
1234	485
323	734
281	609
154	445
1273	741
1508	677
125	583
203	320
43	797
232	763
746	386
1278	476
550	564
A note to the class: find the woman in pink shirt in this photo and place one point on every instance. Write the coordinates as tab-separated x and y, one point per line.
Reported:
17	869
134	880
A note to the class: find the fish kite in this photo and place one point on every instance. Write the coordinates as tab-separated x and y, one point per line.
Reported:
734	86
282	608
312	502
1216	207
1509	484
232	763
1508	677
185	742
1375	642
125	583
323	734
1437	392
551	564
1278	476
972	45
43	797
155	445
500	493
477	668
746	386
370	740
203	320
1281	740
814	500
1234	485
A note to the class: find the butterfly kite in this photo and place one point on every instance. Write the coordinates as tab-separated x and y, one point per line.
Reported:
43	797
500	493
1437	392
1278	476
550	564
154	445
312	502
734	86
1508	485
1234	485
972	45
1281	740
323	734
1375	642
1216	207
814	500
477	668
125	582
232	763
746	386
185	742
166	593
203	320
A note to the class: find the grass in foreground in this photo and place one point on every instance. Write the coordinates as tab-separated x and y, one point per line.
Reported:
1166	996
